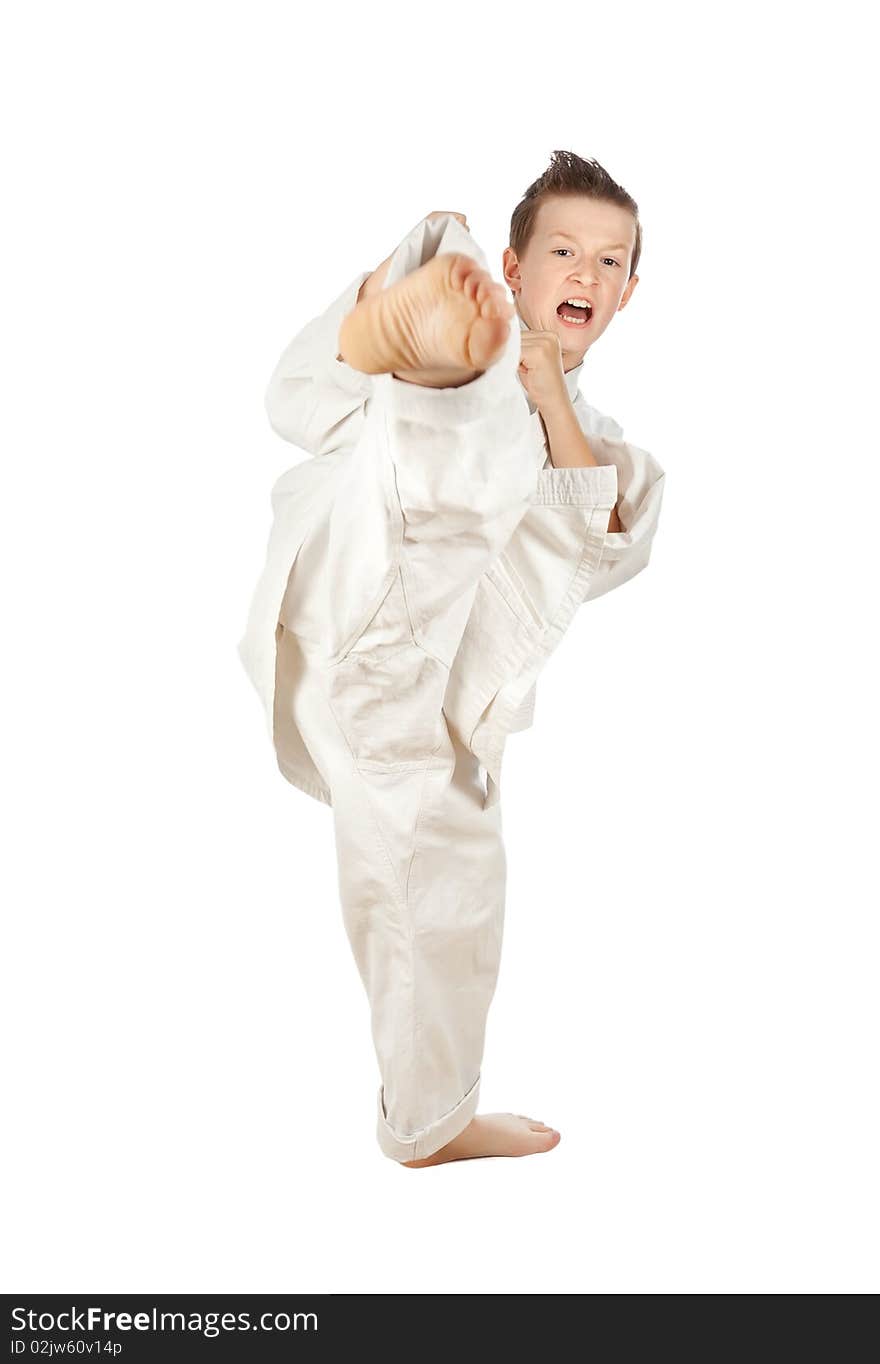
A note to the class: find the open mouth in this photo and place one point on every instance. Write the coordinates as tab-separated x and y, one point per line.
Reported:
574	314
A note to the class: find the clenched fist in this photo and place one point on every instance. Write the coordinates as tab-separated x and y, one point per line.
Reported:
540	369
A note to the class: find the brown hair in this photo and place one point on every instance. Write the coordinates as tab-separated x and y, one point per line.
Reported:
570	174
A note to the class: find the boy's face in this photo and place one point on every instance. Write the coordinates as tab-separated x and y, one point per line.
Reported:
580	248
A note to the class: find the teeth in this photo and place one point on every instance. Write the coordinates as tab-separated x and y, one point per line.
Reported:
583	303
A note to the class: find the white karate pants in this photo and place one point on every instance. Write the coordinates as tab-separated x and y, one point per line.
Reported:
377	601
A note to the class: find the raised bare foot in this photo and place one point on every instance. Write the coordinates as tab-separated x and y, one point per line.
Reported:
441	325
494	1134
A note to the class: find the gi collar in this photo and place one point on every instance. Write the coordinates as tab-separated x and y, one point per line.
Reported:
572	376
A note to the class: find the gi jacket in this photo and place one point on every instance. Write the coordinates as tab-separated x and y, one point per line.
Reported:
558	557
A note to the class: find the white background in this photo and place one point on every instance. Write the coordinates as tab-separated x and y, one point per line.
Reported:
689	978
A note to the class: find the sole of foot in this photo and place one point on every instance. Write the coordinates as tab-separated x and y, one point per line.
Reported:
493	1134
442	325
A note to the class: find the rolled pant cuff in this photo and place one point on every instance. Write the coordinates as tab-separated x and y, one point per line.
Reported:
428	1139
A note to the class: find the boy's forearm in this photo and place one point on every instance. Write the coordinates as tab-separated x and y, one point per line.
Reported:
569	447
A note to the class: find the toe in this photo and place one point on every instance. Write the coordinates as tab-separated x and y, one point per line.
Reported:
461	267
496	303
491	305
487	338
473	283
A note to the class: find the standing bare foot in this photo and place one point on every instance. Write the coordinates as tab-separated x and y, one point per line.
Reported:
441	325
494	1134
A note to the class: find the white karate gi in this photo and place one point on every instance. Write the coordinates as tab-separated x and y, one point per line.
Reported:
419	572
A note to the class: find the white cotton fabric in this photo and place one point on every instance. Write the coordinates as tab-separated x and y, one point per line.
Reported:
420	570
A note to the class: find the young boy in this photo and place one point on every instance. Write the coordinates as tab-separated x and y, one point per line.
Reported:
463	501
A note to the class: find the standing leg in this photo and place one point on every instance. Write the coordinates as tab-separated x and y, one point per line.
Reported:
422	878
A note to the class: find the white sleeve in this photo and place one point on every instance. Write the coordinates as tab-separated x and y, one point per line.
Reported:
314	400
640	482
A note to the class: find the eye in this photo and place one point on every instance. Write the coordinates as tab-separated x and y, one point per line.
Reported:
611	258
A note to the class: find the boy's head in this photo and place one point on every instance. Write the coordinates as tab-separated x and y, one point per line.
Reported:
575	234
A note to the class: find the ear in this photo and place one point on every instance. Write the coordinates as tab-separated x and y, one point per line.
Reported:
510	270
628	292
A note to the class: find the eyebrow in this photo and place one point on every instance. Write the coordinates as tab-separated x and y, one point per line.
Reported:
618	246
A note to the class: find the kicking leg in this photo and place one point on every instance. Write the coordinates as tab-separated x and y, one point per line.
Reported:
438	482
